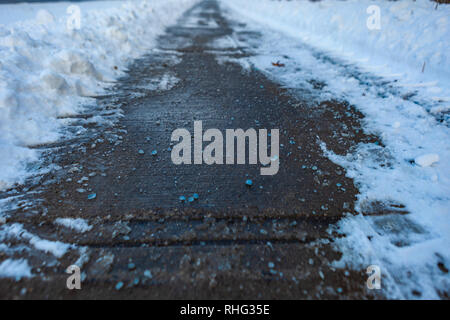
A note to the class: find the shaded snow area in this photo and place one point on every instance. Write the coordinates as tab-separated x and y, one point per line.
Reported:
398	77
51	69
54	58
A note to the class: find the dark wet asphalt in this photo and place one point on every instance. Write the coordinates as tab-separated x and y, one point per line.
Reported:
267	241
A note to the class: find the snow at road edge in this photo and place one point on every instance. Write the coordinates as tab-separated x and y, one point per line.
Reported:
49	72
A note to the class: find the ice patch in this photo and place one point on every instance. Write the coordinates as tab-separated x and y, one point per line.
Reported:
78	224
166	82
244	63
48	71
18	269
230	45
84	257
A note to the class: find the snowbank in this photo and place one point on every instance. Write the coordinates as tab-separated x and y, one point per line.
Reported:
53	60
377	71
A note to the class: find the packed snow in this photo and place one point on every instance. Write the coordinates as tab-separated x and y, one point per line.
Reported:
165	82
398	77
54	57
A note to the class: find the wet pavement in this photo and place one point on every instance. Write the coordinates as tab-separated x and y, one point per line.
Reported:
269	240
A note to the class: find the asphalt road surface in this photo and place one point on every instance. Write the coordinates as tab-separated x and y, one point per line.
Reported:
268	241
